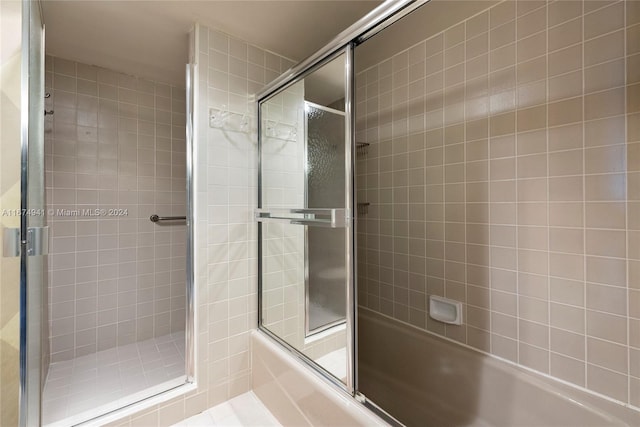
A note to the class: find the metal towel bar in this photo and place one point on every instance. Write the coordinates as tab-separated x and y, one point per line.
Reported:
156	218
332	218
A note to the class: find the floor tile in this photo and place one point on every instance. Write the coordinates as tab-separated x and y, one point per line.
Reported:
245	410
87	386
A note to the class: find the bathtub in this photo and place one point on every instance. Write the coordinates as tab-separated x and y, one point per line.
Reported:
434	382
298	396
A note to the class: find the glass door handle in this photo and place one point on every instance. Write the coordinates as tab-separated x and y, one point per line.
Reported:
331	218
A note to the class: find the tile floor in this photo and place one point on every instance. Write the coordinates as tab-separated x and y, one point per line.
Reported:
77	390
241	411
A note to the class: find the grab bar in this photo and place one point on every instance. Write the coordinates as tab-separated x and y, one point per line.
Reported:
332	218
156	218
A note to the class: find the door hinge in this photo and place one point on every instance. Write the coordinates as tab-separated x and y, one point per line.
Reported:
37	242
10	242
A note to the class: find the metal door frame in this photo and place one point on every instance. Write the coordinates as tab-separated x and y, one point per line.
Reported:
371	24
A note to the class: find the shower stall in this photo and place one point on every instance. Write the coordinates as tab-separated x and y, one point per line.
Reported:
115	158
485	225
106	278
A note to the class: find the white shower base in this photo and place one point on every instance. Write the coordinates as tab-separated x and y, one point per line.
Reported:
83	388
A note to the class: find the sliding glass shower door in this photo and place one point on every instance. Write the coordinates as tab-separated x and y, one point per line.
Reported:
304	216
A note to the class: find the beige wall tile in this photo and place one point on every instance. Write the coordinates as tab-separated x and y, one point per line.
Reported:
478	24
605	243
567	368
504	12
567	317
607	382
607	326
604	76
607	131
565	137
525	8
633	69
563	112
608	299
532	22
605	187
533	70
604	20
562	11
633	104
605	215
86	109
567	85
633	46
565	60
568	214
531	47
566	291
604	48
565	34
604	104
534	357
610	271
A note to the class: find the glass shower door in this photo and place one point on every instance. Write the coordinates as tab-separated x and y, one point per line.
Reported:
33	230
305	228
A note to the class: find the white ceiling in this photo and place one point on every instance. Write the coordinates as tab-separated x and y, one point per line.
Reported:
150	38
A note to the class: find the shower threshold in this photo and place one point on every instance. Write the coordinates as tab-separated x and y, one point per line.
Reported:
86	387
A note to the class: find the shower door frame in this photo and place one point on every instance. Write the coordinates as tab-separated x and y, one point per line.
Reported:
371	24
30	353
347	51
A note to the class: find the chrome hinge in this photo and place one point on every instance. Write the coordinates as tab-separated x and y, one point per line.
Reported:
10	242
37	242
360	397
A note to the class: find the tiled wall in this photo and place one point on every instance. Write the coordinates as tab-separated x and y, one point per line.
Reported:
229	73
115	142
503	173
10	74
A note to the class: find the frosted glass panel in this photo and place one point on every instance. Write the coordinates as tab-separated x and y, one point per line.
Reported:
326	302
